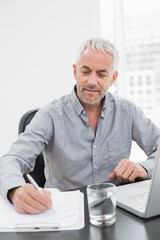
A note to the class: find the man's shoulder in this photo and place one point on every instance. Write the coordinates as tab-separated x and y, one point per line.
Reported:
122	104
56	104
118	100
59	102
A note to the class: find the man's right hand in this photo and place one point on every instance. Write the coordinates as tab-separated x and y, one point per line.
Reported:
27	199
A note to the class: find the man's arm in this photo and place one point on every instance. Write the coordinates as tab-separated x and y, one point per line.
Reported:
127	171
146	134
22	155
27	199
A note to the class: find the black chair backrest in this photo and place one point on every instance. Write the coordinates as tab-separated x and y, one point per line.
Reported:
38	172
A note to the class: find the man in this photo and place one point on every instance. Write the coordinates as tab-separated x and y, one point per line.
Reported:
85	136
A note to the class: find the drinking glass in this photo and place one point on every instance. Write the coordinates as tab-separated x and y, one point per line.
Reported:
102	203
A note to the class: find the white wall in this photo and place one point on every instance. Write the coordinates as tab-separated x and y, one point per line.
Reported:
38	43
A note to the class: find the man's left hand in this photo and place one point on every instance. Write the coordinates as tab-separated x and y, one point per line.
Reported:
127	171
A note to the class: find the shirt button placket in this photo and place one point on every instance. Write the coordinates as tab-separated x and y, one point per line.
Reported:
94	159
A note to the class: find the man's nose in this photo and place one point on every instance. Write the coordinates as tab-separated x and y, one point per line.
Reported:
92	80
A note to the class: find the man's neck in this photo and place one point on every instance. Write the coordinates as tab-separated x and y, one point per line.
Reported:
94	112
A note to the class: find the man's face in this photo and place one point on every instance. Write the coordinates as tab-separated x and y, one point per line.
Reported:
94	75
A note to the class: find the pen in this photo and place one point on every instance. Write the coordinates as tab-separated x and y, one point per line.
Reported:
31	180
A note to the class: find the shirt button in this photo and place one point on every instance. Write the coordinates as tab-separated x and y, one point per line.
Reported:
94	146
95	166
90	128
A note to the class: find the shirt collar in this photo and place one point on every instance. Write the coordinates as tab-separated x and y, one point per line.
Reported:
75	102
104	107
107	105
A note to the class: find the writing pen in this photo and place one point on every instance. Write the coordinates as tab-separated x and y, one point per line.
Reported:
32	181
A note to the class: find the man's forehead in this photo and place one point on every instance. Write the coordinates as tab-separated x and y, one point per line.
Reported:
93	58
98	70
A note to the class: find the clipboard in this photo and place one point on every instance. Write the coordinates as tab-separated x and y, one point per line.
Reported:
69	215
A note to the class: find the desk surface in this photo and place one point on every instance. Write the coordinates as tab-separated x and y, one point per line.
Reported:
127	227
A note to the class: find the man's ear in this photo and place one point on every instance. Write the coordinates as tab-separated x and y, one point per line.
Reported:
115	75
75	71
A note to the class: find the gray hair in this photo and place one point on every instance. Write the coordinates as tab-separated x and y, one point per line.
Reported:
101	45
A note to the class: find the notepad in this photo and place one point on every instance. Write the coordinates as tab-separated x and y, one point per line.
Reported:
69	208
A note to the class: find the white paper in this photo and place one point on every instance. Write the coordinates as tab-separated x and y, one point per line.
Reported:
69	214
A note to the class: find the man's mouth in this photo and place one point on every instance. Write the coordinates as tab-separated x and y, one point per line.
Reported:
91	90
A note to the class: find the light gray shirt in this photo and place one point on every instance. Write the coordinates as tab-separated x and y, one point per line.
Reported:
74	155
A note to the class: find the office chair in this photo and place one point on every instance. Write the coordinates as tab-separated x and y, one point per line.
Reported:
38	172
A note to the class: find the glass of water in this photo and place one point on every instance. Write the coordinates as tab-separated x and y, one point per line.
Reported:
102	203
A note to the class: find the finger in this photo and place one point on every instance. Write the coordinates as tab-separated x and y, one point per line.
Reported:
135	174
40	201
120	165
46	193
112	176
20	210
135	171
45	199
132	177
24	208
128	175
121	169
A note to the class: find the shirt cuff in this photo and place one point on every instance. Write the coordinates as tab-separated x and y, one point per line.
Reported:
148	167
9	185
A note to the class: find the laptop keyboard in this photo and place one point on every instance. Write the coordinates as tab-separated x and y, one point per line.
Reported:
140	198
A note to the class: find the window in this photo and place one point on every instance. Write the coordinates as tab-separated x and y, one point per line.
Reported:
131	81
134	27
148	80
136	32
139	78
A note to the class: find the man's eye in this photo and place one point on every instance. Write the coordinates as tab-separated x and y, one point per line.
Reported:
101	75
85	72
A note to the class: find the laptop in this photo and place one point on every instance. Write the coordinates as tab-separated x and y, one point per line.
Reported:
142	198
